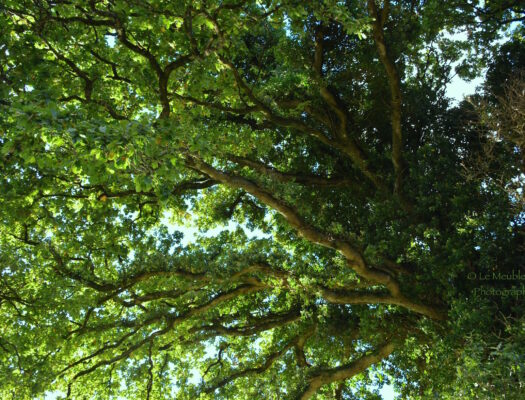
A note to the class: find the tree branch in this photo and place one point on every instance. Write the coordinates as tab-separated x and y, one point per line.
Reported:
395	89
354	257
304	179
344	372
345	297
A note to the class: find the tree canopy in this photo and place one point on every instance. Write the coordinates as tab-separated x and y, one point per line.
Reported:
375	226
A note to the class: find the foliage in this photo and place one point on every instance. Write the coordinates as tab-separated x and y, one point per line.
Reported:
323	127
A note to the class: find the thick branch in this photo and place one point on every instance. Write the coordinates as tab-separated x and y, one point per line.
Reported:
125	283
264	366
343	372
395	90
343	297
254	370
347	146
256	325
162	74
304	179
344	143
355	260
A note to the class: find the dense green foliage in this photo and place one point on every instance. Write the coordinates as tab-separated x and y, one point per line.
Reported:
388	222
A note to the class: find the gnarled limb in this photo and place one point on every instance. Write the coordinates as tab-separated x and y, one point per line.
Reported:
343	372
354	258
254	326
343	297
303	179
344	143
252	370
395	89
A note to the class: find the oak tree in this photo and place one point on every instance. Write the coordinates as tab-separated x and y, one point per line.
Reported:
317	139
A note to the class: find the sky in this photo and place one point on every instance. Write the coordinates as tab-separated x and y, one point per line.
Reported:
460	88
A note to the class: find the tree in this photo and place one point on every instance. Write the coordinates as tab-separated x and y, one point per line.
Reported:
322	126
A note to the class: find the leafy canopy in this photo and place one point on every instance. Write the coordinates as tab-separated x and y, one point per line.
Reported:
324	127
